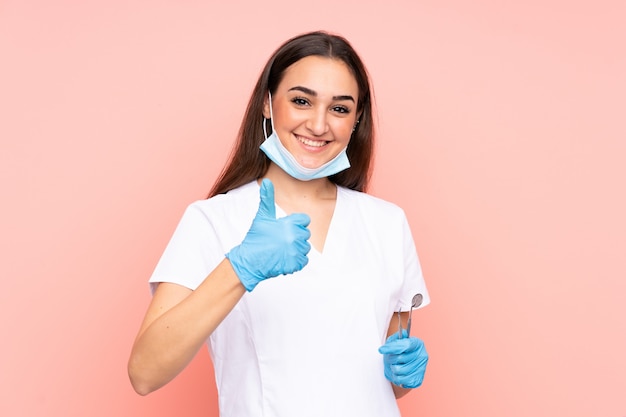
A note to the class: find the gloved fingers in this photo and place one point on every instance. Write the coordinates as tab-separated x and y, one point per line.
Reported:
413	358
408	375
293	228
396	346
410	381
303	247
408	360
295	264
302	232
267	207
299	219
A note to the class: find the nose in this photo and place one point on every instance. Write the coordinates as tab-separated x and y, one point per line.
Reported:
317	123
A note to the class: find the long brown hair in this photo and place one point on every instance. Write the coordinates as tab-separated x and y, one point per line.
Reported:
247	162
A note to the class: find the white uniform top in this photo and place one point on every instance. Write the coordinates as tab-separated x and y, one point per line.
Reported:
304	344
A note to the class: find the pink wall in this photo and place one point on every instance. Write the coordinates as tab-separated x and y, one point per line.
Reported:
501	134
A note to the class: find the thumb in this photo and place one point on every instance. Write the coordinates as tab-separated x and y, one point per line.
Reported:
266	206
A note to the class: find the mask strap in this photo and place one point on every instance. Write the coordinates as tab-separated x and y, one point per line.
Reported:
269	93
264	128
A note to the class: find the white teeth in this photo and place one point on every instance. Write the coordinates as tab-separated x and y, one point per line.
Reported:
309	142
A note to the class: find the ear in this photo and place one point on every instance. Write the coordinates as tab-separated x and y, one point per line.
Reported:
266	107
357	121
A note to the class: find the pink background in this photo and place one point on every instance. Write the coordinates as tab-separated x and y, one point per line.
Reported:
501	134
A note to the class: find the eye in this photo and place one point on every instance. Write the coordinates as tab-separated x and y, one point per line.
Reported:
340	109
300	101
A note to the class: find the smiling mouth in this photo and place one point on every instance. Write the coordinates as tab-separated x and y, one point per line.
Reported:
310	142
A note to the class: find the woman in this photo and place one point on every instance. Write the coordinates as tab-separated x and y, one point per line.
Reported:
289	271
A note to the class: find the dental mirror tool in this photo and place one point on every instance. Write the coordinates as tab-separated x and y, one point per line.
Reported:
416	302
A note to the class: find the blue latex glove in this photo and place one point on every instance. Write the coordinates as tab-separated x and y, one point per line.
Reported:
405	360
272	246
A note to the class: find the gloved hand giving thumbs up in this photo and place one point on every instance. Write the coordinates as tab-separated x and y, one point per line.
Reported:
272	246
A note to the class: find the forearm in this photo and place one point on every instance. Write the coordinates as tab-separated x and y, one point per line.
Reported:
172	335
400	392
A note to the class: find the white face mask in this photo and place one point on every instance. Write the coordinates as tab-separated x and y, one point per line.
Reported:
274	149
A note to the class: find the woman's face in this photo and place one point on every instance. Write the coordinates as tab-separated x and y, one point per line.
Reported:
314	109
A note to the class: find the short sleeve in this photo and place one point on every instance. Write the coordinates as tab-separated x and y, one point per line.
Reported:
413	278
193	251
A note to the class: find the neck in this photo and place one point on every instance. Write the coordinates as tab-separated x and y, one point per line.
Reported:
288	188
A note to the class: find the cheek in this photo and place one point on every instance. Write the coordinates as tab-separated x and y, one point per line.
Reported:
288	119
343	129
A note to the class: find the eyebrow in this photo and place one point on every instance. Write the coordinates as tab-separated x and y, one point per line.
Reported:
314	93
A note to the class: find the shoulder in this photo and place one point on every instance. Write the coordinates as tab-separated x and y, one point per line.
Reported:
234	206
371	204
241	196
